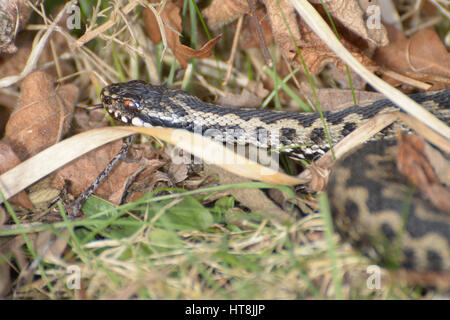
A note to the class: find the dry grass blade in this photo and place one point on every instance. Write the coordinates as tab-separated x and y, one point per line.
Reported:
354	139
94	33
359	136
37	167
47	161
368	130
215	153
424	131
315	22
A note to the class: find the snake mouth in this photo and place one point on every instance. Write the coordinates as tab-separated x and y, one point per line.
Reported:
116	114
127	118
115	108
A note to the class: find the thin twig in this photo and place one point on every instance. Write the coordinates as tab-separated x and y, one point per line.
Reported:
233	50
259	33
101	29
78	203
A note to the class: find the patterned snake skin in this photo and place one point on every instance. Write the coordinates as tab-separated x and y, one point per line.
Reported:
363	195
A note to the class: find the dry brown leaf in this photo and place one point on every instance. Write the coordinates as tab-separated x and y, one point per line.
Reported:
439	280
43	116
284	27
337	99
414	165
354	15
14	64
177	172
151	165
83	121
8	160
412	162
245	98
147	179
222	12
422	54
314	51
172	20
342	78
317	54
439	163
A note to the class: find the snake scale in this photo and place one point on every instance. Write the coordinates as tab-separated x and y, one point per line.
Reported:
365	207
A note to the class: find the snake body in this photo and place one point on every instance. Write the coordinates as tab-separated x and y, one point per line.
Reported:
303	135
380	213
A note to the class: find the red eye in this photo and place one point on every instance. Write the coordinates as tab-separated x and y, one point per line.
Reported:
129	104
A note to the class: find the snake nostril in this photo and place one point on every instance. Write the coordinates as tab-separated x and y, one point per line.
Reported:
106	100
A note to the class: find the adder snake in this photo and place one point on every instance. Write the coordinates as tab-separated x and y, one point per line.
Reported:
426	241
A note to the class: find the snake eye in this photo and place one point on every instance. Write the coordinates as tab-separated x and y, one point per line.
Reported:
129	104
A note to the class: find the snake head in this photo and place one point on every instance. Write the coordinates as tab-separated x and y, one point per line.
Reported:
125	101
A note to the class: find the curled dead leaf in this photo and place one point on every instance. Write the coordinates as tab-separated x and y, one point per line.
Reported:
359	17
8	160
172	20
317	53
419	56
284	27
439	280
414	165
319	177
177	172
222	12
